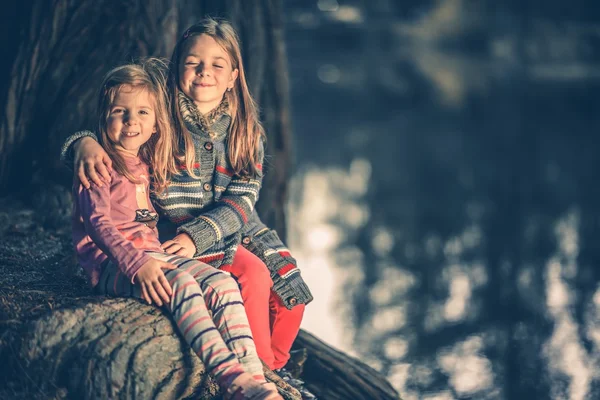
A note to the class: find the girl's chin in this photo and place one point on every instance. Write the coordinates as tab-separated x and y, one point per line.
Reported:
205	105
202	96
128	151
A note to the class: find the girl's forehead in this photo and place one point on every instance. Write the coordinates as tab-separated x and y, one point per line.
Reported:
131	88
204	45
129	93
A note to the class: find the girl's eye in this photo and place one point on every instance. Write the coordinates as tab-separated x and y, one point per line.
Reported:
144	112
191	63
117	111
217	66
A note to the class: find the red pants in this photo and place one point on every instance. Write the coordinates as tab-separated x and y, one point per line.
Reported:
273	326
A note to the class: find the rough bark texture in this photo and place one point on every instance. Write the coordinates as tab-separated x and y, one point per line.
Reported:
120	348
108	350
113	349
58	52
333	375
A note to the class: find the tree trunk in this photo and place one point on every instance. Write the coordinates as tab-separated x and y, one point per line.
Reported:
60	50
64	49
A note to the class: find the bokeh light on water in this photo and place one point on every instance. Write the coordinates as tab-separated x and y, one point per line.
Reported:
444	208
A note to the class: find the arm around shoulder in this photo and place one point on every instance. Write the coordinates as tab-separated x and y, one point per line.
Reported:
66	151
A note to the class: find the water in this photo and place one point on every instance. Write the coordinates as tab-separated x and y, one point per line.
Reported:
445	208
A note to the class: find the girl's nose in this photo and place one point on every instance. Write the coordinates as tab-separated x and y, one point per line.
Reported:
130	120
202	70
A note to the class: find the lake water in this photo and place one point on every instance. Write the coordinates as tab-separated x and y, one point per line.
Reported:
445	206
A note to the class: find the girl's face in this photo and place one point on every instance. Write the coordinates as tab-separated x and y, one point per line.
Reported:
205	72
131	120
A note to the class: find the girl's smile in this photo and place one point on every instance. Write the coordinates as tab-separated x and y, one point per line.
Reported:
205	72
132	120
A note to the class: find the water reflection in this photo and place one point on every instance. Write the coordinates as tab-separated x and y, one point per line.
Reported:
446	208
327	217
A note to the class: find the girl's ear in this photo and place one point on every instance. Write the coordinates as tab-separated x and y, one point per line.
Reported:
154	129
234	75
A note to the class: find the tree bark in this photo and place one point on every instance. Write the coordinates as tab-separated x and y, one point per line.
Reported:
108	350
97	348
64	49
333	375
112	349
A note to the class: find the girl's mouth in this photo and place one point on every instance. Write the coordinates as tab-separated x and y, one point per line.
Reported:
131	134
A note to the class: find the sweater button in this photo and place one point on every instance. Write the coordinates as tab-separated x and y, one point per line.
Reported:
246	240
293	301
208	146
207	187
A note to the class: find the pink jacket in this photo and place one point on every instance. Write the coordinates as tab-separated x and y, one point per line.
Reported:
115	221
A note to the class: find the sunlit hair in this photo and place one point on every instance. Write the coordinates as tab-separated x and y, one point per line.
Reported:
147	74
246	131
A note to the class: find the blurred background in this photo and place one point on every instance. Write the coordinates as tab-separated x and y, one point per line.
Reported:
445	201
434	165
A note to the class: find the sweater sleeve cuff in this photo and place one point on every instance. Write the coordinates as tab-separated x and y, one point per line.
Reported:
66	152
202	234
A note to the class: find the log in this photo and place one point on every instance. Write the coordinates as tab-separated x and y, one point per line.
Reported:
333	375
100	348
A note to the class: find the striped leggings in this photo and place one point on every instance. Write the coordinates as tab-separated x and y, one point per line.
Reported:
207	307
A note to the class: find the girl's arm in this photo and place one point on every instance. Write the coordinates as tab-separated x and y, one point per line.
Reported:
229	214
88	159
95	212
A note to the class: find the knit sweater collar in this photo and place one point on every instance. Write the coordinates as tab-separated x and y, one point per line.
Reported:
214	124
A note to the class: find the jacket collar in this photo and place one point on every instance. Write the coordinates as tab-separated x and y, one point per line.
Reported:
214	124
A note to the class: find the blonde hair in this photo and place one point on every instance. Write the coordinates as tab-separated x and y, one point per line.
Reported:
147	74
246	131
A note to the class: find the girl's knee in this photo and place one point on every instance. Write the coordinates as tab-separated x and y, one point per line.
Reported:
222	281
229	281
181	279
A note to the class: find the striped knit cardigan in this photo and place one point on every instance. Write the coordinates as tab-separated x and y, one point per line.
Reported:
217	209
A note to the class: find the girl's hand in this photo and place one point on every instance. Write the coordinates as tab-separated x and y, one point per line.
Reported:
182	245
154	283
91	160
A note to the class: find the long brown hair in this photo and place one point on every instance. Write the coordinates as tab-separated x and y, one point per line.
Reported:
148	74
246	131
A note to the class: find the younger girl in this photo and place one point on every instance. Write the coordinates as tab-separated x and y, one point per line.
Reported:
210	205
117	243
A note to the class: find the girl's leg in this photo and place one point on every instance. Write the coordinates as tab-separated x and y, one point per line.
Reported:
189	311
285	325
224	301
256	283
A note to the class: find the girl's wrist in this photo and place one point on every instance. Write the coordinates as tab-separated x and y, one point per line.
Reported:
79	142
